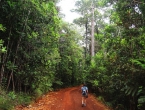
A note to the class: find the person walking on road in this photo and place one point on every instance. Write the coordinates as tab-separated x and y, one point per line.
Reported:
84	90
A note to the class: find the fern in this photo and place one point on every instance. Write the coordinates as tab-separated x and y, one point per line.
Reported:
131	91
141	100
140	62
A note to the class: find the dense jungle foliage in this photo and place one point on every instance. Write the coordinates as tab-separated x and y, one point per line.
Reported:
39	52
117	72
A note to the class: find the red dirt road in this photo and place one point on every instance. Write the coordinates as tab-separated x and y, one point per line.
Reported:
65	99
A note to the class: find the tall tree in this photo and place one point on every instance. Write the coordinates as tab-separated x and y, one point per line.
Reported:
122	65
71	55
30	38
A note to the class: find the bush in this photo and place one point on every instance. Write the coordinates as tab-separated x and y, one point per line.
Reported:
9	100
23	99
6	103
38	93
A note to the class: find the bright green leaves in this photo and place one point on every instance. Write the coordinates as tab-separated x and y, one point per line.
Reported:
123	42
110	28
99	55
102	3
1	42
2	28
95	83
139	62
93	65
11	4
115	18
33	35
12	95
2	48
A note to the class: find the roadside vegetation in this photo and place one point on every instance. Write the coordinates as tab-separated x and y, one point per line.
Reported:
39	52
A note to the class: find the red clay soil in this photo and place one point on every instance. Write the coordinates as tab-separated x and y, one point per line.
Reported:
65	99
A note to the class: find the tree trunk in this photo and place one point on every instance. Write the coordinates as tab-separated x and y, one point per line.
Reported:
14	61
92	33
3	60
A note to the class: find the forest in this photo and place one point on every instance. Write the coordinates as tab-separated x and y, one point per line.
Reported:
104	47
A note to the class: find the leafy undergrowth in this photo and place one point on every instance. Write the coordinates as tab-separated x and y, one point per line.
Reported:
9	100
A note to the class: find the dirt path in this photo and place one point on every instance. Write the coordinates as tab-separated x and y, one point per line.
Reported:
65	99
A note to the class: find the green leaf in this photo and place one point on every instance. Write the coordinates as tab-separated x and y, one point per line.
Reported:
2	28
4	49
141	99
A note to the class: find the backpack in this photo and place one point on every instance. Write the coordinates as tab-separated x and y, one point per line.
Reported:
84	91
